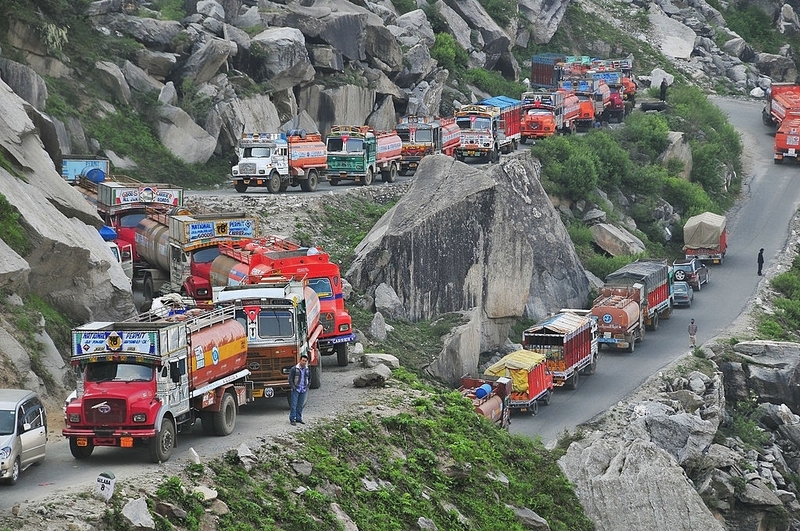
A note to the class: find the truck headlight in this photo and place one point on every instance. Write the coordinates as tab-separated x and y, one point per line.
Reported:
262	172
74	418
235	171
140	417
344	327
5	452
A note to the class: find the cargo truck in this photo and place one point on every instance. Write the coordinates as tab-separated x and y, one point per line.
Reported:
594	97
359	153
175	251
783	101
490	396
787	141
87	167
248	261
547	113
489	128
422	136
568	340
647	284
281	318
142	381
705	236
531	381
277	161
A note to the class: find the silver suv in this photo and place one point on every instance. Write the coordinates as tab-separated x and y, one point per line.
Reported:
23	432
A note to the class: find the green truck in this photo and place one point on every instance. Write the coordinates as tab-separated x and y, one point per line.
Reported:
359	153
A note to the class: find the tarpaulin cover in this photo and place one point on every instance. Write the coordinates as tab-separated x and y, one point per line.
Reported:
651	273
516	366
703	231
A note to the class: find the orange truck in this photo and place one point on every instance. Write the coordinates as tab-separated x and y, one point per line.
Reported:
490	396
531	381
568	341
422	135
277	161
783	100
547	113
787	140
594	97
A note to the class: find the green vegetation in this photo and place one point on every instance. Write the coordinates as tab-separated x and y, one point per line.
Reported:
744	425
11	232
448	53
435	459
501	11
784	323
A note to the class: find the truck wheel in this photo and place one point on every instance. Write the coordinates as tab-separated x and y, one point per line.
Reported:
342	354
533	408
316	375
225	418
240	187
632	344
147	291
274	183
548	397
524	139
574	380
163	443
80	452
207	422
495	155
653	323
591	368
391	175
310	184
284	186
366	180
334	182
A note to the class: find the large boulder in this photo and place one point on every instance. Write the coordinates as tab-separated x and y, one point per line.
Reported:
279	57
183	137
349	104
768	369
25	82
544	17
615	240
464	237
228	120
496	41
155	34
673	38
208	59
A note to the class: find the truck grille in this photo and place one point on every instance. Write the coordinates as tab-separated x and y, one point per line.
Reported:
247	168
328	322
105	411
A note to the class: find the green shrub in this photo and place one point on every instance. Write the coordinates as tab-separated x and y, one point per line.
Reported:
688	198
645	180
755	27
501	11
404	6
11	231
615	163
493	83
448	53
602	265
648	133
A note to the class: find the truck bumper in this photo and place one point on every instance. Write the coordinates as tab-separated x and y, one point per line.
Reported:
613	342
331	341
109	437
271	390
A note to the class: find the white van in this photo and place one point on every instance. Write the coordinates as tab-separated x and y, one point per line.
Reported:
23	432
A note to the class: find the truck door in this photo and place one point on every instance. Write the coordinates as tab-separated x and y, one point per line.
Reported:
281	161
180	268
173	382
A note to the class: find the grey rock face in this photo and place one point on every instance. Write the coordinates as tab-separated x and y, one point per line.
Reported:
25	82
544	17
184	138
280	57
204	63
111	76
154	34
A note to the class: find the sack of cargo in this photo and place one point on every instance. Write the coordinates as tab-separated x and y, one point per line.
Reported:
517	366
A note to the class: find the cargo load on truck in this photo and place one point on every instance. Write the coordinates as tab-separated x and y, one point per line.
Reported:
424	135
531	382
705	236
142	381
281	316
783	101
276	161
248	261
568	340
490	396
359	153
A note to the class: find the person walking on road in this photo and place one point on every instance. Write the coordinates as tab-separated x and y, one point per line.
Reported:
692	334
760	260
300	380
664	86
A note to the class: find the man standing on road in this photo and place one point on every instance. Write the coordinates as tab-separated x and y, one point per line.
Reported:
760	260
299	379
692	334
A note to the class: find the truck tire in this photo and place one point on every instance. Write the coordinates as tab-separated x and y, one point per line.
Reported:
163	443
391	175
653	326
274	183
147	291
342	354
316	375
495	154
333	181
225	418
310	184
533	408
240	187
366	180
632	344
207	422
80	452
591	368
574	380
548	397
523	140
284	186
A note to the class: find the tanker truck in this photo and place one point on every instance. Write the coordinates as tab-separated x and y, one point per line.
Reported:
175	251
277	161
422	136
247	261
488	128
656	296
359	153
620	322
490	396
281	317
142	381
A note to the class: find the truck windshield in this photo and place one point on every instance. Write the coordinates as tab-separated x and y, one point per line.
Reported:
424	135
118	372
322	286
130	221
256	152
275	323
6	421
479	124
205	256
404	134
354	145
539	112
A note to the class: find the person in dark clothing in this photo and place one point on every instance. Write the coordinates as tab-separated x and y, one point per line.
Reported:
300	380
760	260
664	86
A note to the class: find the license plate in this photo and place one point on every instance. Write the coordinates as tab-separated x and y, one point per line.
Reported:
258	393
126	442
82	441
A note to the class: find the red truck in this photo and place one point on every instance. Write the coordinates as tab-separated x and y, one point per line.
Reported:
277	161
359	153
705	236
783	100
787	141
422	135
247	261
594	97
490	396
531	381
175	250
634	298
489	128
281	318
142	381
568	340
547	113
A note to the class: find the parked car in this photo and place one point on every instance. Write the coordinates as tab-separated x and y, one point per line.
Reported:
682	294
692	271
23	432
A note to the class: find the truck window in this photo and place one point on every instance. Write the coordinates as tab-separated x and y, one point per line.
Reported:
122	372
6	421
483	124
275	323
355	145
404	135
205	256
335	144
424	135
256	152
322	286
129	221
463	123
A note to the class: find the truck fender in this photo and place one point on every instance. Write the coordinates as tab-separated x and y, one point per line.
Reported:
162	413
